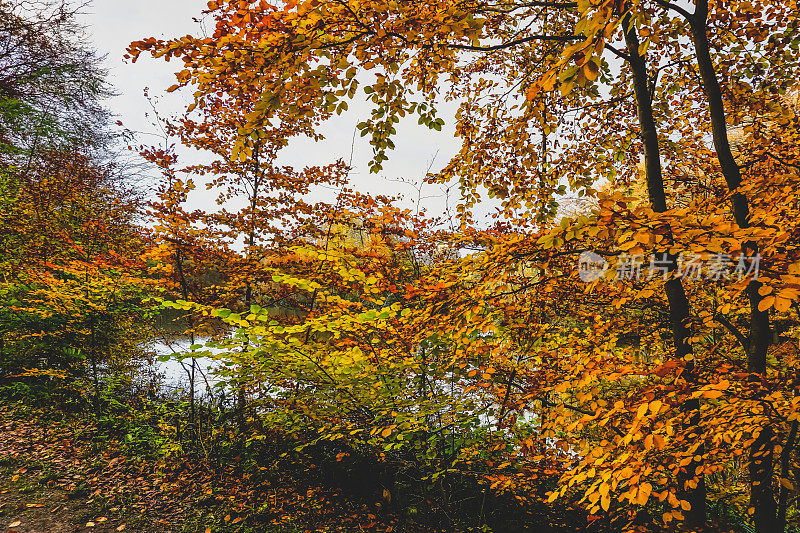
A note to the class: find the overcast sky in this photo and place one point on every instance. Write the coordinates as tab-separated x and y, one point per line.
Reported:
112	25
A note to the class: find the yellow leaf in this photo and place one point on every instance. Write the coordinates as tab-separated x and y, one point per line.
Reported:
591	70
605	502
782	304
644	46
645	489
766	303
655	406
672	500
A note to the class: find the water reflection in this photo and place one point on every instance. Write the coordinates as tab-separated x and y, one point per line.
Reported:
176	373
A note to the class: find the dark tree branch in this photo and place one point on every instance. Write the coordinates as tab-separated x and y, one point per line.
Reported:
786	455
734	331
783	161
619	53
511	9
547	403
515	42
669	5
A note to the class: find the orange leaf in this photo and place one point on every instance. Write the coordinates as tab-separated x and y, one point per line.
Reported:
645	489
782	304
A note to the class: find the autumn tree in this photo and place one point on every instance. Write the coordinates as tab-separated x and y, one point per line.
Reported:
557	96
51	85
181	258
71	286
258	200
71	282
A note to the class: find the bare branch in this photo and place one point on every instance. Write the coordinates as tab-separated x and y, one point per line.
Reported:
502	46
734	330
669	5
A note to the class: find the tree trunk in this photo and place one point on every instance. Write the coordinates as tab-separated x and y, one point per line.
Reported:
241	393
679	307
185	293
93	360
761	494
248	300
786	455
762	498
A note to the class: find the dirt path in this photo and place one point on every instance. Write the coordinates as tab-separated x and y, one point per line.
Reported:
30	502
58	477
51	483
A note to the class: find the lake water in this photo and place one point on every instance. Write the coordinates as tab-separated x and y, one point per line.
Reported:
176	373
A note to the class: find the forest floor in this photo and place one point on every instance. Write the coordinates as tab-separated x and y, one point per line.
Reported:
56	477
